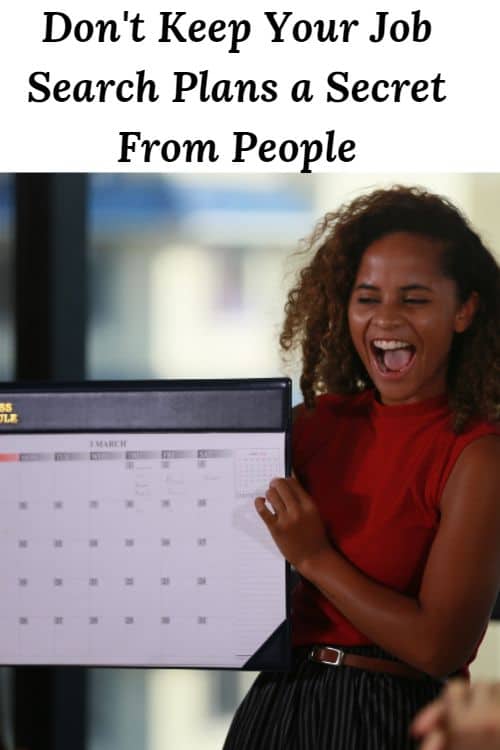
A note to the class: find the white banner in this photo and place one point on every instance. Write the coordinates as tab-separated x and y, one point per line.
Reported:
299	87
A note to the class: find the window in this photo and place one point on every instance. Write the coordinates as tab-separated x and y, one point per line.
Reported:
186	281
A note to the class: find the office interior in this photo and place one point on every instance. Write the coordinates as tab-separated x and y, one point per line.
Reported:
120	276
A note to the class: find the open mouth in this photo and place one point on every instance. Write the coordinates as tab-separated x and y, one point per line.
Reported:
392	356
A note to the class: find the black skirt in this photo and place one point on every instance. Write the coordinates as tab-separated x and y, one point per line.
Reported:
320	707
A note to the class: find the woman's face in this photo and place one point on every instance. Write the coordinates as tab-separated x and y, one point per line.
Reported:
403	314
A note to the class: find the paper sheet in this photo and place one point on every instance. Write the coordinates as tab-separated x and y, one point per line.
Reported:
137	549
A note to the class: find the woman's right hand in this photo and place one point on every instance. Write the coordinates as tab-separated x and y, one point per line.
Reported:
464	717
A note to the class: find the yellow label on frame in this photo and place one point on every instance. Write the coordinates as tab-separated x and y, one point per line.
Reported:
8	414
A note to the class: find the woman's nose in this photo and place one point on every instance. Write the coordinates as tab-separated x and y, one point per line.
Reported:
388	315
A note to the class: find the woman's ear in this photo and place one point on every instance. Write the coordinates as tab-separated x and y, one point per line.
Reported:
466	312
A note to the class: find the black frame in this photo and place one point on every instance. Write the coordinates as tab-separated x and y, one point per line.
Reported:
50	276
50	703
166	406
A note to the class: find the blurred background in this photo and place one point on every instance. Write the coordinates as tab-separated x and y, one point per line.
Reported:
152	276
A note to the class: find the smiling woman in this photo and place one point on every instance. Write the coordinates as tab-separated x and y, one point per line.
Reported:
392	519
403	314
440	251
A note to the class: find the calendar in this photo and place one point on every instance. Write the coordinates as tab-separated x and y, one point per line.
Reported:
138	548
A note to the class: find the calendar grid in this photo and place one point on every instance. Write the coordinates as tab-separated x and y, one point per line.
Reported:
137	548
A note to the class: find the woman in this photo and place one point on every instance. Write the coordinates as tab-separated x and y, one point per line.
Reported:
393	519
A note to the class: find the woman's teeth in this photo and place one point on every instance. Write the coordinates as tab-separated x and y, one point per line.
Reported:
390	344
393	355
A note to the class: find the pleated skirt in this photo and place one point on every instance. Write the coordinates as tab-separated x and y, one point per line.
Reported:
320	707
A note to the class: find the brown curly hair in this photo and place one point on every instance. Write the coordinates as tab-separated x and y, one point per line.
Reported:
316	308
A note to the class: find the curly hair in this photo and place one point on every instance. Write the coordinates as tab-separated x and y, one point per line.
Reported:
316	308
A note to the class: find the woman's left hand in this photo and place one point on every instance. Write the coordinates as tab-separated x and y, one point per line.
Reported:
295	524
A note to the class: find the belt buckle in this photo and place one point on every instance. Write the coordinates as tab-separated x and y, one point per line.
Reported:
339	655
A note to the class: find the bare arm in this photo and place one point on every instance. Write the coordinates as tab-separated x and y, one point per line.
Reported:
438	631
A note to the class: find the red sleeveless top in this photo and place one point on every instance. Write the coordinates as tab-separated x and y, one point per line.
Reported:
377	474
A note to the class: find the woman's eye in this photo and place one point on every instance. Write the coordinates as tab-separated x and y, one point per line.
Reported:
367	300
416	301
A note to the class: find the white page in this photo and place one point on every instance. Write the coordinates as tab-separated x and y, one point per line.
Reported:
137	549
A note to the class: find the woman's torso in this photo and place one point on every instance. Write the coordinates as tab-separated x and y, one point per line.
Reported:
377	474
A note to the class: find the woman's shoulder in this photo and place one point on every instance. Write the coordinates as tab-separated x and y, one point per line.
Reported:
333	403
310	423
481	438
478	442
477	428
326	420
